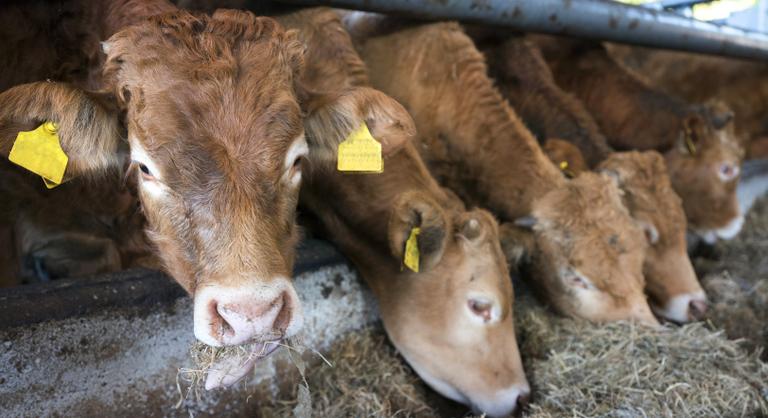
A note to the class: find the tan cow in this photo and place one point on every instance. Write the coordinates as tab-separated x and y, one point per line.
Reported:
584	249
451	320
702	155
214	118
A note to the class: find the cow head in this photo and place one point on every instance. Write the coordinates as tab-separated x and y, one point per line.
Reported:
213	109
704	167
583	250
671	283
452	321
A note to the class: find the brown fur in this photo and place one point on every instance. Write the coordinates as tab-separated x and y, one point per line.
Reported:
649	196
633	115
525	80
566	156
474	143
370	217
699	78
214	102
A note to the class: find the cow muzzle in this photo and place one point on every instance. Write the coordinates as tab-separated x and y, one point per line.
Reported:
253	313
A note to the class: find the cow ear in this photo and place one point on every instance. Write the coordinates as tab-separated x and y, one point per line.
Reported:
691	134
517	243
651	233
86	125
332	117
719	114
416	210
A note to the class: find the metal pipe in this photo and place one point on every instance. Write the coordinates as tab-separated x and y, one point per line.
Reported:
591	19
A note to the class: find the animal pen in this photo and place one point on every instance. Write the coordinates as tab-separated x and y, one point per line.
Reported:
120	344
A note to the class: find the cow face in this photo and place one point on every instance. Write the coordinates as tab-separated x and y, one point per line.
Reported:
217	139
704	168
452	320
584	251
671	283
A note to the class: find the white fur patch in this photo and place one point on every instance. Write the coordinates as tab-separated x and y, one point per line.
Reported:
139	155
443	388
677	307
504	402
729	231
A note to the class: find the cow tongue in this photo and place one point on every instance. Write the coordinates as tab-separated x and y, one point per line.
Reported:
229	370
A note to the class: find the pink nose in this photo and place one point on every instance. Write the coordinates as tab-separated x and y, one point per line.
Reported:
237	315
697	309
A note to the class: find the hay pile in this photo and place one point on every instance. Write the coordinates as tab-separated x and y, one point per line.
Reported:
368	379
735	277
625	370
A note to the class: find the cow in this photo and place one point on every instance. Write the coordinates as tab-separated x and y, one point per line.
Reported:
699	78
671	283
703	157
217	128
524	79
452	319
584	250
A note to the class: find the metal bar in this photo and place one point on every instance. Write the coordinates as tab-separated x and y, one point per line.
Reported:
591	19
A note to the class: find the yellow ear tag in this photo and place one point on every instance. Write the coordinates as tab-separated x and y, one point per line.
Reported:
411	258
564	168
360	152
39	151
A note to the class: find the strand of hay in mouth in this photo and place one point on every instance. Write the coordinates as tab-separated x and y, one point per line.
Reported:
204	357
368	379
625	370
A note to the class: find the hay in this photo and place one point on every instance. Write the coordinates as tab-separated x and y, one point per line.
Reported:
625	370
368	379
736	281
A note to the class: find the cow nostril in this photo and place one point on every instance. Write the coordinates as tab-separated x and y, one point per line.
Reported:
219	325
697	309
523	400
283	318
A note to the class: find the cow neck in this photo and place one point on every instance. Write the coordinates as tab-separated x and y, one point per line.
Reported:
362	203
632	114
526	81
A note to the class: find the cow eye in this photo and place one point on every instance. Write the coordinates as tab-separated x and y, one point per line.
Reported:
146	174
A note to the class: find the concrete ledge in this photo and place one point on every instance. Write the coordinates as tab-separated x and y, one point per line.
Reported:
123	360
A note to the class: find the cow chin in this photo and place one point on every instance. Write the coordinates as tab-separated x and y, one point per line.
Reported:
503	403
729	231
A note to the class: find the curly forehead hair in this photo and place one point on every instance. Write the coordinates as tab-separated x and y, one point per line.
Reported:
211	43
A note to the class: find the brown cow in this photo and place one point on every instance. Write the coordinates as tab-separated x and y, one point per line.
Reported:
741	84
213	111
703	157
585	250
452	321
524	79
671	282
